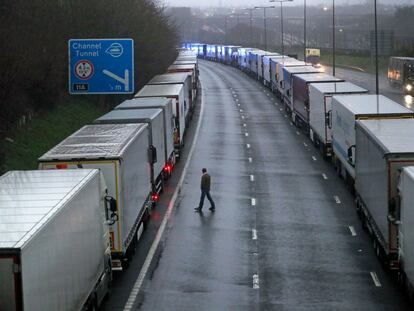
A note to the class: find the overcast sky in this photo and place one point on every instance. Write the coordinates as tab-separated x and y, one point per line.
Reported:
231	3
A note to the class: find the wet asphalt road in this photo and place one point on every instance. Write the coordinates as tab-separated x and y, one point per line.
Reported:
367	81
285	235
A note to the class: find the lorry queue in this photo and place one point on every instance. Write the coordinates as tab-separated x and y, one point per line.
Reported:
367	137
67	226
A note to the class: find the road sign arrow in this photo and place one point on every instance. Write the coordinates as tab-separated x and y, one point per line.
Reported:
124	81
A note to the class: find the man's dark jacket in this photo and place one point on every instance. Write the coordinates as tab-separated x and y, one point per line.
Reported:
205	182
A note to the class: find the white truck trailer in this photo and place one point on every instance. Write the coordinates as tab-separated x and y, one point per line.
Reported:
54	243
155	122
166	105
405	219
320	120
300	96
190	90
383	148
176	93
288	73
120	151
346	110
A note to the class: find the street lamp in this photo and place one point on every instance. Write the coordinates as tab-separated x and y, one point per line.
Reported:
333	35
251	26
376	49
304	30
264	20
281	20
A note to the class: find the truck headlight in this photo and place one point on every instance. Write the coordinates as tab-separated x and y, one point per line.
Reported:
409	87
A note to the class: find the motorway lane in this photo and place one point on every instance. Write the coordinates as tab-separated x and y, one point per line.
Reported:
307	256
367	81
285	235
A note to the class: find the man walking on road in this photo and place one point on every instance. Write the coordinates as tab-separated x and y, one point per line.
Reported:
205	191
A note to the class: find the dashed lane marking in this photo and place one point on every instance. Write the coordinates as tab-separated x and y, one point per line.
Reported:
254	234
256	281
253	201
297	133
246	134
248	146
251	177
242	117
305	144
352	229
337	200
324	176
244	124
375	278
250	160
145	267
313	158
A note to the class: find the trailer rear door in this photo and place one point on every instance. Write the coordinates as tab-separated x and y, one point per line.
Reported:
8	286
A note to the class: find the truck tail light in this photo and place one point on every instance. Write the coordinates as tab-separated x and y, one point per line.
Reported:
61	166
154	197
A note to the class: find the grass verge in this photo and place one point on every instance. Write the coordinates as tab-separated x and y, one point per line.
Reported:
364	62
29	142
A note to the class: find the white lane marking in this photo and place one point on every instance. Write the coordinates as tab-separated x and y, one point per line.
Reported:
234	95
253	201
250	160
337	200
324	176
267	94
251	177
254	234
246	134
255	281
297	133
313	158
305	144
238	105
248	146
237	99
242	117
374	277
352	229
280	109
285	115
241	110
145	267
244	124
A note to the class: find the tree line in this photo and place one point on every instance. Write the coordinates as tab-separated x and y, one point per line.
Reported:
34	43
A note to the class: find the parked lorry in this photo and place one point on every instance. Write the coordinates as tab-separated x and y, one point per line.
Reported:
320	113
121	152
404	215
383	148
267	70
190	68
281	65
176	93
346	110
300	96
190	90
229	54
54	241
288	73
155	122
401	73
243	58
276	70
261	67
165	104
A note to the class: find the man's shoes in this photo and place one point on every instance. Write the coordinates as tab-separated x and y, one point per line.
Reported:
212	209
198	210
